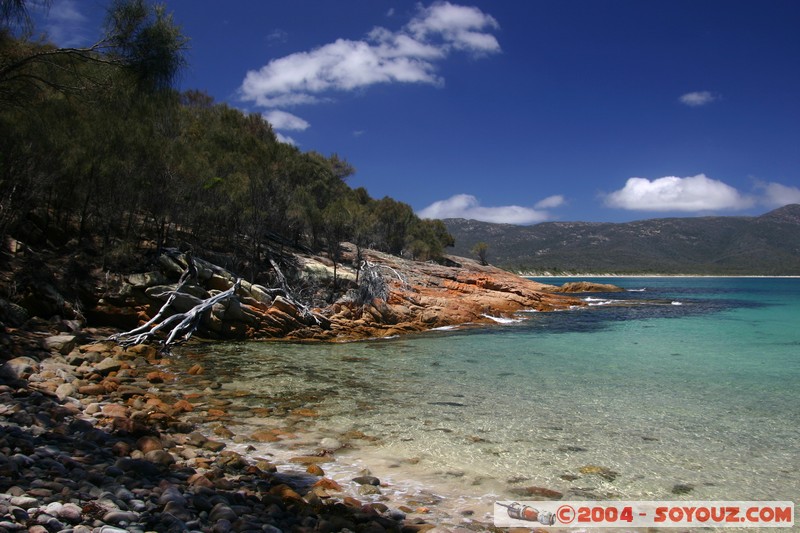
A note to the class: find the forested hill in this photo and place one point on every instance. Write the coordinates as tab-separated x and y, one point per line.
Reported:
765	245
98	148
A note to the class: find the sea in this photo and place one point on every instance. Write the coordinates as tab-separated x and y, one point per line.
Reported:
678	388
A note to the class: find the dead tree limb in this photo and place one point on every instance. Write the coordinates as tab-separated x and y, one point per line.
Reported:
180	325
305	312
373	285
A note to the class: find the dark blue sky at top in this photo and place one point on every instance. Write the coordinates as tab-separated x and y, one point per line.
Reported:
528	110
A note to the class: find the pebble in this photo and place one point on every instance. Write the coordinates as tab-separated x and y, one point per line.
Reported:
367	480
103	450
366	490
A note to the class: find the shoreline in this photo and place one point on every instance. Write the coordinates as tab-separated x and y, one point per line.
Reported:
97	438
523	275
296	431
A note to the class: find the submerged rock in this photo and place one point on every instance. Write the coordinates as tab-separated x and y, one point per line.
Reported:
601	471
587	286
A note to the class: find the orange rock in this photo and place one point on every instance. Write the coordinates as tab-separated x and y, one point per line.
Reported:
149	443
223	432
94	389
328	484
200	480
196	370
115	410
159	377
352	502
315	470
264	435
182	406
286	492
110	385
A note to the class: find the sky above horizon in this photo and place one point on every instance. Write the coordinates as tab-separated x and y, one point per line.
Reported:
517	112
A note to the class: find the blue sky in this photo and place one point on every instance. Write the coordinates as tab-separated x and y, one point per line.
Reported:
514	111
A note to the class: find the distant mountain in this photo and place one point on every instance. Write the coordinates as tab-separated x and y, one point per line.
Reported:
765	245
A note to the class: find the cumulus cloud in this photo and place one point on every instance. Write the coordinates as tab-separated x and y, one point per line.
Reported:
777	195
468	206
409	55
698	98
281	120
285	139
550	202
671	193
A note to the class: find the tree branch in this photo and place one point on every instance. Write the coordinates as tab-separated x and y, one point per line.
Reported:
187	323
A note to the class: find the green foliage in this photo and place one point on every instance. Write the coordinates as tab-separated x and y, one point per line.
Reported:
481	249
127	163
141	47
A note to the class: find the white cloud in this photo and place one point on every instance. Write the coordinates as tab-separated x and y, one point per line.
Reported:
460	27
694	193
409	55
468	206
281	120
550	202
698	98
777	195
285	139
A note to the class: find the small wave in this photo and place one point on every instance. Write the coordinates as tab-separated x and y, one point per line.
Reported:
502	320
444	328
599	301
677	303
636	290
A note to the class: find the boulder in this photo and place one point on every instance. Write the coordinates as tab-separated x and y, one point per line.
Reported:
12	314
62	344
19	368
587	286
146	279
182	302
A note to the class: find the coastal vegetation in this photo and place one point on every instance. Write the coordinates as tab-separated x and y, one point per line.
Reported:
102	153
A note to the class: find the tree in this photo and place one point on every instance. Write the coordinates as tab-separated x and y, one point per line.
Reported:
480	249
427	240
74	121
139	38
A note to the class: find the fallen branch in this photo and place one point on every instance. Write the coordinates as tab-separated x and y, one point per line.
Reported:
183	325
373	285
286	294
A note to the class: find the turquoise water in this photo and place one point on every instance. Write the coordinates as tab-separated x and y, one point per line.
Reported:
677	381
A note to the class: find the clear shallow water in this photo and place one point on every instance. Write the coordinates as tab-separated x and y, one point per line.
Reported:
694	381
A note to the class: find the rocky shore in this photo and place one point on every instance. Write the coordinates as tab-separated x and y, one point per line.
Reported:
417	296
100	437
96	438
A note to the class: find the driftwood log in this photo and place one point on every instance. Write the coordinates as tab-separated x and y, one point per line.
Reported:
176	322
178	327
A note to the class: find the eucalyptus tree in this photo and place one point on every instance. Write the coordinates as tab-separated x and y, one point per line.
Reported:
61	108
138	37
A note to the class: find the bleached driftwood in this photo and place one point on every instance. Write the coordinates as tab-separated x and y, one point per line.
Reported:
307	314
373	285
179	326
